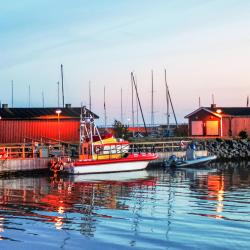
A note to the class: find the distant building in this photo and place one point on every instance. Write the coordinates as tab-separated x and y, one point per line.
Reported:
30	124
219	121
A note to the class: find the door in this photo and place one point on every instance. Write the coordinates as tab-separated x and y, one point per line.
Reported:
197	128
212	128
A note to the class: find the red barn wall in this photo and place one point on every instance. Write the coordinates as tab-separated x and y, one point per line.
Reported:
15	131
226	127
239	124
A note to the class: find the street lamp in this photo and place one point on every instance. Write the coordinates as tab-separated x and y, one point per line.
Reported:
58	112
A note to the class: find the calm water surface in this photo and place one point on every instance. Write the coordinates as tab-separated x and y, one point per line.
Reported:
205	208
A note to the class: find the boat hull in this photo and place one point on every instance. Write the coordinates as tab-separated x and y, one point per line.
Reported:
117	165
193	163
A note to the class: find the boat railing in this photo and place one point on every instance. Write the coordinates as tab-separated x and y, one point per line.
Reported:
156	147
111	151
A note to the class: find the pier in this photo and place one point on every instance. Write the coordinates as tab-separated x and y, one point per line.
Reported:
18	158
23	158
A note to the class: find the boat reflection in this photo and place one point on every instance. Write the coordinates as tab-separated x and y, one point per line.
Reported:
57	200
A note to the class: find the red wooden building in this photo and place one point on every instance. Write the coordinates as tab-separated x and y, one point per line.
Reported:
25	124
219	121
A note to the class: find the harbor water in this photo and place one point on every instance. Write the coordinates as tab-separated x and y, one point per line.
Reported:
205	208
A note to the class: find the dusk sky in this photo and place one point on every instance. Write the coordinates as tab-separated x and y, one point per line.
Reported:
203	44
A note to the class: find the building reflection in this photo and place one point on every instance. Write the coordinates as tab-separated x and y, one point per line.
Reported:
214	185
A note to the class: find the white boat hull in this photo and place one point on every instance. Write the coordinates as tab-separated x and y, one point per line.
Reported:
106	168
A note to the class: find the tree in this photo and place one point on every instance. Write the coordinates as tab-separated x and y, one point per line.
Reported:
120	130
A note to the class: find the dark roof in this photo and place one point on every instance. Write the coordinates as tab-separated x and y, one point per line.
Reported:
225	111
41	113
232	111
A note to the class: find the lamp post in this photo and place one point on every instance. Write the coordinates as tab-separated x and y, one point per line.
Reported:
58	112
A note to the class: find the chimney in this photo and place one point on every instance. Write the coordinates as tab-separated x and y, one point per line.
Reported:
4	105
67	105
213	106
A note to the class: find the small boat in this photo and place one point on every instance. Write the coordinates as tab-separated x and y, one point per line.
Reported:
190	160
173	161
101	155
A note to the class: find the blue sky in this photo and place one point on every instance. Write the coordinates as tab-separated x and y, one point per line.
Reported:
204	45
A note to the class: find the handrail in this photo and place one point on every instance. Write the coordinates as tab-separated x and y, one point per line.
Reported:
9	152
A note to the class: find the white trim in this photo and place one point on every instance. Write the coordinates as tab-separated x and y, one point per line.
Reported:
205	109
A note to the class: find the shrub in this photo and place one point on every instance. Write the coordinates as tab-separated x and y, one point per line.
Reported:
243	134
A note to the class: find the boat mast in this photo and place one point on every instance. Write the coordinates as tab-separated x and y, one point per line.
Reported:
132	104
169	100
12	94
62	86
90	104
152	99
29	96
138	99
105	111
43	98
58	94
121	108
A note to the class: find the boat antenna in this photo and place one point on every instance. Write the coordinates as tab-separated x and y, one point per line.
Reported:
199	101
132	104
135	85
62	86
248	101
170	100
212	98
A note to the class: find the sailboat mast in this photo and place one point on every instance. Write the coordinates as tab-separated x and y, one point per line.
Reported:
138	99
167	99
121	108
29	96
43	98
12	94
105	112
133	112
90	104
62	86
152	99
58	94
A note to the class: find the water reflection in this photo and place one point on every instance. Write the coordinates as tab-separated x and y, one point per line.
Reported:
139	209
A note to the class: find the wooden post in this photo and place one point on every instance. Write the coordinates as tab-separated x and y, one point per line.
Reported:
23	152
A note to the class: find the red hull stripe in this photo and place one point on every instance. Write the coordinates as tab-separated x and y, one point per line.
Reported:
130	158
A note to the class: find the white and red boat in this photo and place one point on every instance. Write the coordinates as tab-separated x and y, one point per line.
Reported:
103	154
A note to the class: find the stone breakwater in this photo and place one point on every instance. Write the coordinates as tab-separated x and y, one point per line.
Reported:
226	149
